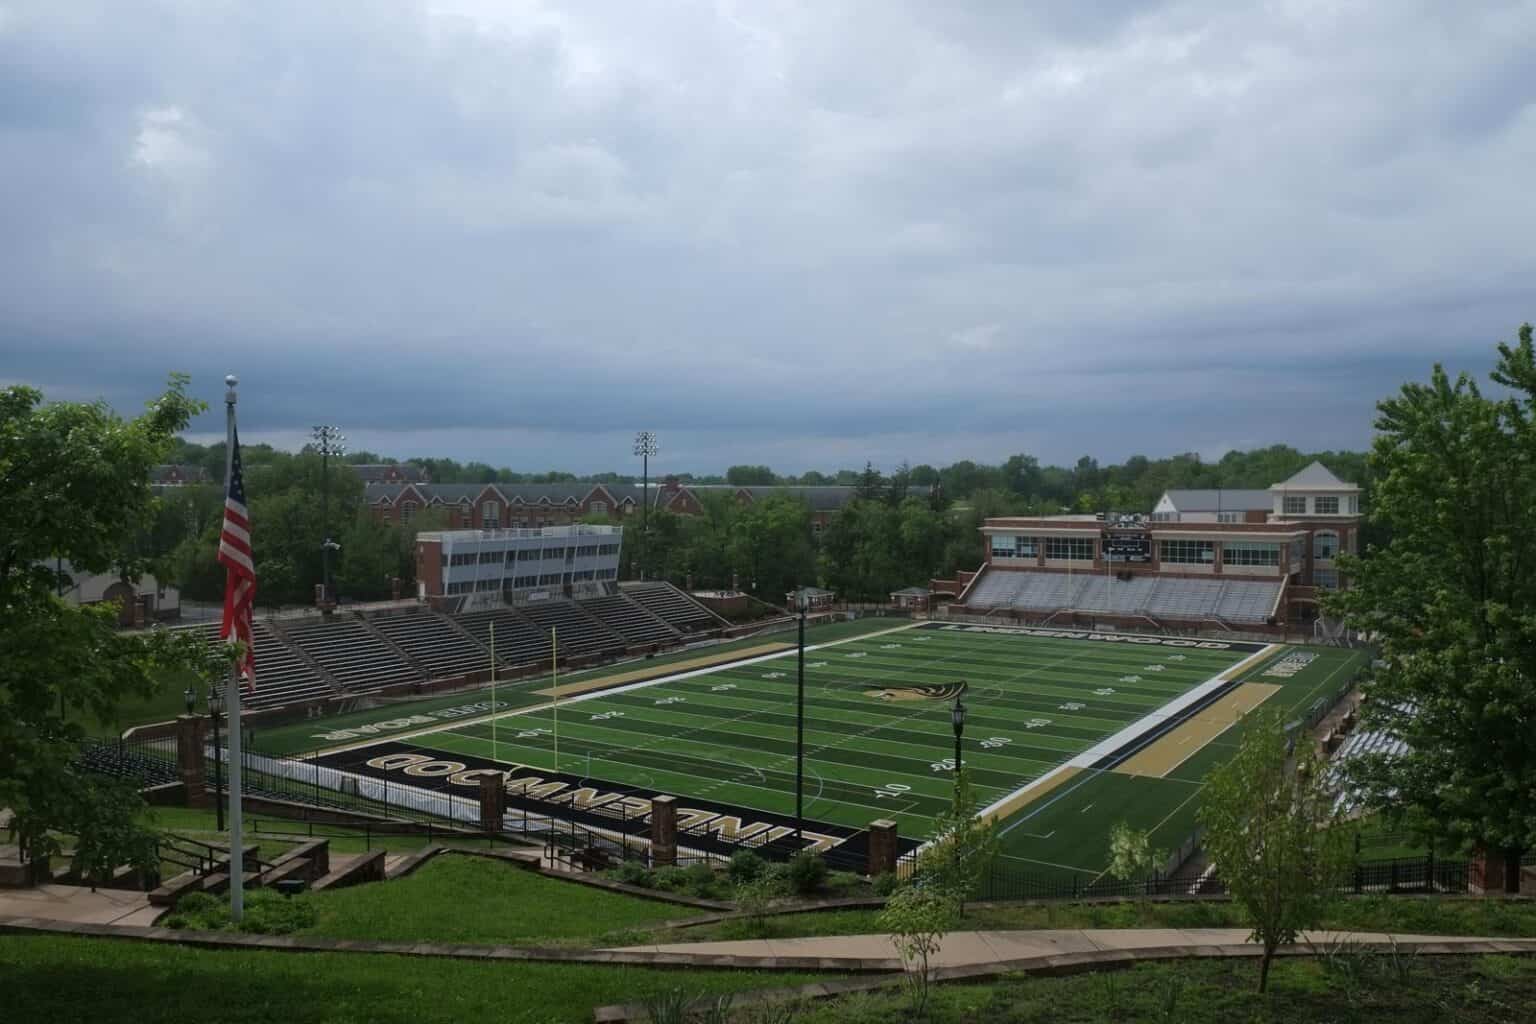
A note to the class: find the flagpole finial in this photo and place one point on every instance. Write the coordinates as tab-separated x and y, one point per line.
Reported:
230	383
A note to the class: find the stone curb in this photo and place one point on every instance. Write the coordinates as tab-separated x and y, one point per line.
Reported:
1062	964
456	951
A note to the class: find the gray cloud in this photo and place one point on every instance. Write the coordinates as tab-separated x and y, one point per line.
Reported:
773	232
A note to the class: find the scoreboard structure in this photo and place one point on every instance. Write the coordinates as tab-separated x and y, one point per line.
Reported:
1126	539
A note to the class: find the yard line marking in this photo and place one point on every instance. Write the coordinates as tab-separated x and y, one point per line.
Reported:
1085	810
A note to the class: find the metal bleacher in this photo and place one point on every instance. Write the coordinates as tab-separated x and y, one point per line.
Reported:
631	621
282	677
673	607
580	635
433	642
1160	597
351	654
518	641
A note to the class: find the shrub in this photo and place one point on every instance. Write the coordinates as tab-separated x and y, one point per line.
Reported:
633	872
272	913
885	883
843	882
672	879
746	866
700	879
807	873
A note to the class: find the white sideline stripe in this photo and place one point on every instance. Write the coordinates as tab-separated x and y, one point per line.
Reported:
459	723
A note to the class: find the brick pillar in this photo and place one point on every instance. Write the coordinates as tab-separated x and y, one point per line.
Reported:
663	831
881	857
493	801
190	757
1494	871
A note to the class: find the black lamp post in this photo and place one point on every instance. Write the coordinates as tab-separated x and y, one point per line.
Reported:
216	708
190	696
800	725
957	718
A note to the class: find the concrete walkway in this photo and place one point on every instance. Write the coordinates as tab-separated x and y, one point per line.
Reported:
79	905
976	949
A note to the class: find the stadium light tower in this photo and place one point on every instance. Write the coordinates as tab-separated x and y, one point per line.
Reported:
645	447
329	440
800	602
957	719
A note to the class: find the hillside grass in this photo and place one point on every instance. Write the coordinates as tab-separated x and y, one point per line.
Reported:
47	978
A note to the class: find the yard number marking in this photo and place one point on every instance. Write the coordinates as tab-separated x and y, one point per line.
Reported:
993	742
606	715
889	647
773	675
1104	691
892	790
817	664
1153	668
946	765
859	654
1128	679
1034	723
1071	705
672	700
528	734
722	686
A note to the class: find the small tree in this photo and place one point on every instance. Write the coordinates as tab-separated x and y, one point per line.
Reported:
1267	814
961	848
917	918
1131	856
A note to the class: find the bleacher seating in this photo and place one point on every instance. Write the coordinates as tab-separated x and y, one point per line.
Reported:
630	620
1161	597
282	677
352	655
518	641
580	635
436	645
673	607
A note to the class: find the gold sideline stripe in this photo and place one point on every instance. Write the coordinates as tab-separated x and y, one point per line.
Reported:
656	671
1173	749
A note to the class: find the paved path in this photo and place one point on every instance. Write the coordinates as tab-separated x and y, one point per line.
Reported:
78	904
974	949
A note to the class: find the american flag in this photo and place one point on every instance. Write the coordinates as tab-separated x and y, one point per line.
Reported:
240	578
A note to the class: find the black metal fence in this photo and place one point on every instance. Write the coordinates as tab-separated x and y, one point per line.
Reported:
147	762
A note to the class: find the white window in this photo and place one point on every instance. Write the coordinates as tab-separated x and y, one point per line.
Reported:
1326	506
1075	549
1294	506
490	515
1229	517
407	510
1187	552
1328	579
1242	552
599	508
1325	544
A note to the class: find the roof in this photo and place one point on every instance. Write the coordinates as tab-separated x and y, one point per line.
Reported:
1220	499
812	592
1316	475
373	472
910	592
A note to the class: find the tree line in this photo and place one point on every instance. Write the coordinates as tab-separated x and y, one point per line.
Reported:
900	529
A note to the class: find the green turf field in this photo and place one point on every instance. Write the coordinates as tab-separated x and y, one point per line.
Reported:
1068	829
728	734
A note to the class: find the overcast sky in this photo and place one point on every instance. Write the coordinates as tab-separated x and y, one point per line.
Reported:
804	234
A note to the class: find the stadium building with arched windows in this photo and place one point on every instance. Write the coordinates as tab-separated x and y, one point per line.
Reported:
1250	560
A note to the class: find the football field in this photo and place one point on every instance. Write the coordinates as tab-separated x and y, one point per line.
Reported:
1067	732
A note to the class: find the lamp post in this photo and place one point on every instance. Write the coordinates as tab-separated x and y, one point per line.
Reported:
800	724
329	440
216	708
957	719
645	447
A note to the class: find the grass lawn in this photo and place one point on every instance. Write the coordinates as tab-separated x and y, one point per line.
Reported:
455	898
1357	988
57	979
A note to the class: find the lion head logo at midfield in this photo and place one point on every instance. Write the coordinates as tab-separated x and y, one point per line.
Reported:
932	691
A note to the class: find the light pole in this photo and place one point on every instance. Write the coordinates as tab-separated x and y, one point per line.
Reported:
800	723
957	719
645	447
329	440
216	708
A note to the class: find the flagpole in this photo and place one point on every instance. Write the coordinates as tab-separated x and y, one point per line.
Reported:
232	701
554	676
493	691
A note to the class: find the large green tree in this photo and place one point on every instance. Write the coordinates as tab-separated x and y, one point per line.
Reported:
1452	602
76	480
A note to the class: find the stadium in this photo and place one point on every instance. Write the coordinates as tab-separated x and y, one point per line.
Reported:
1088	674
